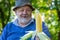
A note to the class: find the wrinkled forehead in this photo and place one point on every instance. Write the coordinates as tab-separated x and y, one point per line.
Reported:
25	7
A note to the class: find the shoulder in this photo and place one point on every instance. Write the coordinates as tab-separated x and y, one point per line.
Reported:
43	24
7	26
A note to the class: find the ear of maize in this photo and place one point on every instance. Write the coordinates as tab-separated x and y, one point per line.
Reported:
38	23
38	32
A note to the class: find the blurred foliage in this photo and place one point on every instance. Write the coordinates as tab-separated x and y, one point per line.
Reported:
49	9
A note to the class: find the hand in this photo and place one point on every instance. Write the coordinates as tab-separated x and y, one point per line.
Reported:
37	38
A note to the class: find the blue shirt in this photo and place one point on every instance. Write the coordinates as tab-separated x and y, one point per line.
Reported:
13	31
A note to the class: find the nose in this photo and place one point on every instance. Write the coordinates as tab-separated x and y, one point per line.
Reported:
24	12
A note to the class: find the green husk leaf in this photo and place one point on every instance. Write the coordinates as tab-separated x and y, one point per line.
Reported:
27	36
43	36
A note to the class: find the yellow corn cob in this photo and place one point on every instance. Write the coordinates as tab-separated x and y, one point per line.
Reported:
38	23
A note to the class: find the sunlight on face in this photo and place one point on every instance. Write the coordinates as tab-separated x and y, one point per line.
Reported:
24	14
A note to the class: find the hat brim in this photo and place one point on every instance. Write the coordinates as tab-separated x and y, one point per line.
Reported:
22	6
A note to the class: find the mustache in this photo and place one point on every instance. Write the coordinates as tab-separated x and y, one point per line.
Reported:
24	15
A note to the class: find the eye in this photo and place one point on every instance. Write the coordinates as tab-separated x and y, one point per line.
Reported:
29	10
21	10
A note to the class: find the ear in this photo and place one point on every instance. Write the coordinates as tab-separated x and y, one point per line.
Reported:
15	12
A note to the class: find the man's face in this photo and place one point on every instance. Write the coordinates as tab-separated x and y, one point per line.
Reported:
24	14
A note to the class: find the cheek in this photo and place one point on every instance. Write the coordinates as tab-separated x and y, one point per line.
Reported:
18	13
30	14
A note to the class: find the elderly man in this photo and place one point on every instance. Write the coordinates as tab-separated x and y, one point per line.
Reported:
24	22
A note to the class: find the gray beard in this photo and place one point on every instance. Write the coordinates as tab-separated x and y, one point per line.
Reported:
24	20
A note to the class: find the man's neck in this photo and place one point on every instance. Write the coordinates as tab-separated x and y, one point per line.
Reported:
23	24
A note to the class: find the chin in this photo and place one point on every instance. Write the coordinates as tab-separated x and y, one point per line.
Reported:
24	20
